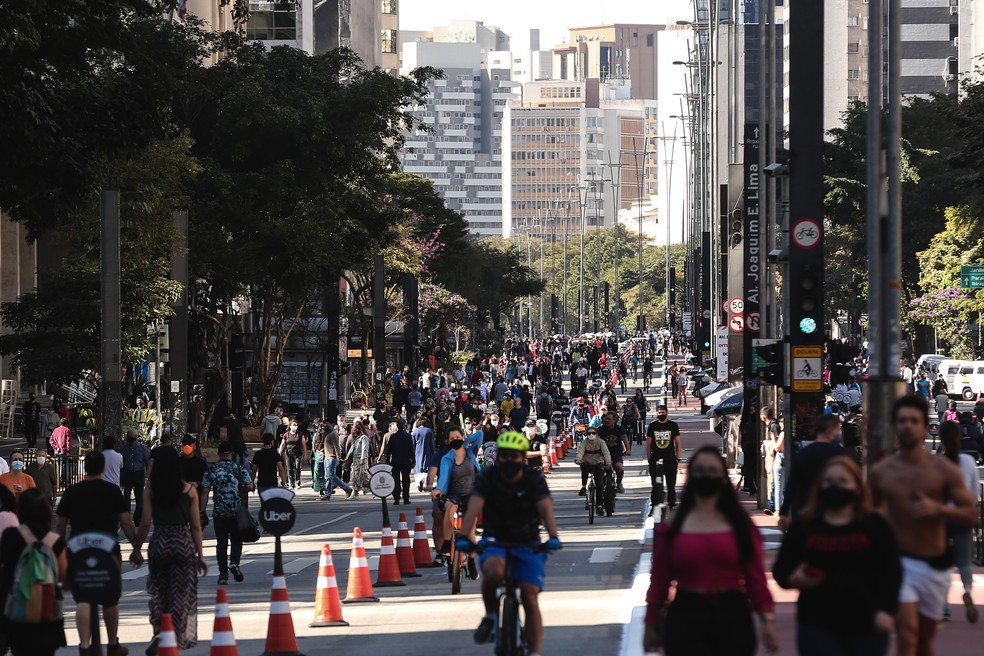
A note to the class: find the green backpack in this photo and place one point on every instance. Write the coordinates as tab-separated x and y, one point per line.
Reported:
36	595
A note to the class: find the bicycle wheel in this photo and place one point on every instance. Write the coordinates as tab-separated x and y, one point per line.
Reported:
456	575
507	637
610	490
592	501
451	559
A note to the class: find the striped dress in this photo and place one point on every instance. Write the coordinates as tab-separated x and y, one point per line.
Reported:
173	580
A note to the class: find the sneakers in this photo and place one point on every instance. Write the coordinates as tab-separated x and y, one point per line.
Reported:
222	581
621	489
348	495
583	492
970	609
484	631
237	573
769	511
473	570
116	650
152	647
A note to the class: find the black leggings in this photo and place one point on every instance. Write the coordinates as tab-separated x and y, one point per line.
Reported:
670	474
690	615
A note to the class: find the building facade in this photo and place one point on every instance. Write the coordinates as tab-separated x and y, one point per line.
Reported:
611	52
461	151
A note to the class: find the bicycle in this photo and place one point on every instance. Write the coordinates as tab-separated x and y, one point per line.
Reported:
457	560
510	635
592	494
611	490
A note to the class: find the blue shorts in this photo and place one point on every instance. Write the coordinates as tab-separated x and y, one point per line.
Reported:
528	567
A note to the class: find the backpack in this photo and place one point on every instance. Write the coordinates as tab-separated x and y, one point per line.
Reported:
36	595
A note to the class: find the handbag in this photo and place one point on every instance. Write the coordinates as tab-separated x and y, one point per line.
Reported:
249	530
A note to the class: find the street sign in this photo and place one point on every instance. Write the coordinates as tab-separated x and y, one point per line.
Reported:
806	233
277	513
806	368
737	323
753	321
723	354
688	321
972	277
93	572
735	306
382	484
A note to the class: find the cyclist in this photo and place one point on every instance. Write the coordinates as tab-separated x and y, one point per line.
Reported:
630	420
642	404
581	415
458	470
592	456
513	500
647	372
617	440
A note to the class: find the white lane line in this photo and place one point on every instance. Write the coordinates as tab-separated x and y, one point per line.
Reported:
213	570
604	554
297	565
633	629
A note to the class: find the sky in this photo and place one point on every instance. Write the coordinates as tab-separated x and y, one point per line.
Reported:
552	17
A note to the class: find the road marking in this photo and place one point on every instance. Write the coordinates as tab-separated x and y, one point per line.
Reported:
604	554
213	570
297	565
632	630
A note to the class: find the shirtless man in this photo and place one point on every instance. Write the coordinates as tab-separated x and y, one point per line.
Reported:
919	493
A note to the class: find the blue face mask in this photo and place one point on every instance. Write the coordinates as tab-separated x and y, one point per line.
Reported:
17	465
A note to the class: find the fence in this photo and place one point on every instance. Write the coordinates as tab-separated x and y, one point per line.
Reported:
70	468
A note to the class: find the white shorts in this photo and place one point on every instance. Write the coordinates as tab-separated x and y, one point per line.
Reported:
925	586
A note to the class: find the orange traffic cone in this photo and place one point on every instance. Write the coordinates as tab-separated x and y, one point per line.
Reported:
359	580
389	566
553	452
223	639
545	463
280	640
421	547
404	552
167	644
327	605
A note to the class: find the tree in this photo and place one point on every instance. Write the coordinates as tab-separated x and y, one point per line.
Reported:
295	151
55	330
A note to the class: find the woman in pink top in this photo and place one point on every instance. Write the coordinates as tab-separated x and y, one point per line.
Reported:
713	552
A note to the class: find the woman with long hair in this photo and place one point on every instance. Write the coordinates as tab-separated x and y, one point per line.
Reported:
34	513
841	554
174	555
359	457
714	553
961	536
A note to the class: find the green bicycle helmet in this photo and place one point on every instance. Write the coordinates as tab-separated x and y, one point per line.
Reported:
513	441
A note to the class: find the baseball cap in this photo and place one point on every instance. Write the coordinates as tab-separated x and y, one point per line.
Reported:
225	447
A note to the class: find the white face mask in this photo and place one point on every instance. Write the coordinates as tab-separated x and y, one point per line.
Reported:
293	429
41	460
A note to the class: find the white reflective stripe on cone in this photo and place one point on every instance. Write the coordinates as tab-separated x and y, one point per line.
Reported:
280	608
327	582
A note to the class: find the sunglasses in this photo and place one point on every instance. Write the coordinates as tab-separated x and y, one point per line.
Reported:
592	432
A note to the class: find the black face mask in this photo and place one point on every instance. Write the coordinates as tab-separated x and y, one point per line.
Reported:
836	497
661	417
510	468
457	444
706	486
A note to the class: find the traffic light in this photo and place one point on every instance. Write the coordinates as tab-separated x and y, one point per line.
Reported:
768	361
737	224
808	301
343	367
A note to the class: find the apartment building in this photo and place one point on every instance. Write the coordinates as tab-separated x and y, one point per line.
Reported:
566	144
610	52
371	28
462	151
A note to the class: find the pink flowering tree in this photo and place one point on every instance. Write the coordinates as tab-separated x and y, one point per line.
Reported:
948	310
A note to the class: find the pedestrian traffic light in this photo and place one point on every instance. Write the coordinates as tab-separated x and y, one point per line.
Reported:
808	300
736	227
343	367
767	362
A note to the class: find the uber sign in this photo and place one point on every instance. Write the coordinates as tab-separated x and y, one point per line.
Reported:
277	513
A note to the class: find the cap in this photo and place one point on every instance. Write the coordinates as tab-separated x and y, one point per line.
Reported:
225	447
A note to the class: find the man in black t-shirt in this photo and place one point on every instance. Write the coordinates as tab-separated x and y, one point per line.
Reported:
518	415
268	466
515	499
663	444
93	505
807	464
618	444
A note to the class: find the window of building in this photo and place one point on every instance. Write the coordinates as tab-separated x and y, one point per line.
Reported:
649	40
853	74
388	41
853	48
272	21
852	21
389	6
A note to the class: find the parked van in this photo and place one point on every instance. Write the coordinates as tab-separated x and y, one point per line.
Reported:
950	370
968	382
929	362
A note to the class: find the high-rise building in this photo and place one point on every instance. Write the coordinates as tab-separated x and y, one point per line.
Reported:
565	144
610	52
461	153
272	23
371	28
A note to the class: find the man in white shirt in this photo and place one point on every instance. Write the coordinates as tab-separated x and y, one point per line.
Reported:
114	461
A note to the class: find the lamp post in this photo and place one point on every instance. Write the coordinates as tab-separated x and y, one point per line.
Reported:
615	173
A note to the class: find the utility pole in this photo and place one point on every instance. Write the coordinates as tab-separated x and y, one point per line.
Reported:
177	357
883	386
111	393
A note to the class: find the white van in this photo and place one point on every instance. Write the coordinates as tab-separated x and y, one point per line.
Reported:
929	363
950	370
968	382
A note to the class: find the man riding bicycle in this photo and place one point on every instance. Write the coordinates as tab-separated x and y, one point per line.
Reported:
513	500
458	470
581	415
617	440
593	457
